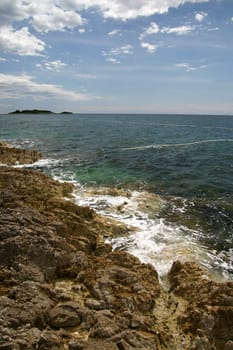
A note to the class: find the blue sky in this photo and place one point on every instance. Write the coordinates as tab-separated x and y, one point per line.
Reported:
135	56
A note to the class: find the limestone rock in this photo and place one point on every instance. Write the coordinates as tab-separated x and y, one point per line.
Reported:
10	155
210	304
112	279
47	241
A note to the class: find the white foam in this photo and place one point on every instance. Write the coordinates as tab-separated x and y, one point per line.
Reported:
142	148
42	163
155	241
160	244
17	143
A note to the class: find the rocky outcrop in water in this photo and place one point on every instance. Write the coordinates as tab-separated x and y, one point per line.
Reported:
63	288
11	156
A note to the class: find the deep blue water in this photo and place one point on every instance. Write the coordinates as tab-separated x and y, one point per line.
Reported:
186	159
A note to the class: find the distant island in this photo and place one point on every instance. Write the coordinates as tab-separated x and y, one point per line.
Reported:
37	111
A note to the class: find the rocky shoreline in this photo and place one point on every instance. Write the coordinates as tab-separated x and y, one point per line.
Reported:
62	286
12	156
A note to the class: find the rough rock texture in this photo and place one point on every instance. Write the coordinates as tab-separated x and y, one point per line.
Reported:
63	288
208	314
10	155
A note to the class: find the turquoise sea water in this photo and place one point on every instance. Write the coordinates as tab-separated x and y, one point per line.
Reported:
187	160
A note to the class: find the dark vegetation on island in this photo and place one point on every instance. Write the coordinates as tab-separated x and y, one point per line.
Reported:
63	288
36	111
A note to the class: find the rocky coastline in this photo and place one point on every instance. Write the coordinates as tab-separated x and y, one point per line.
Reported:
63	288
12	156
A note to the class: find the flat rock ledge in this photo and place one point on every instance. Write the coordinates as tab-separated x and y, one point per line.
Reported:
10	155
63	288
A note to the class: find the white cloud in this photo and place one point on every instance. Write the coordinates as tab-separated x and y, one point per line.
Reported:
52	65
126	50
115	32
151	48
124	10
152	29
123	50
181	30
24	86
60	15
2	59
85	76
67	13
14	10
155	29
44	16
119	51
200	16
113	60
20	42
56	19
188	67
213	29
82	30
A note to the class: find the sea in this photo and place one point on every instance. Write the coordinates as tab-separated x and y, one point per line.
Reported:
169	178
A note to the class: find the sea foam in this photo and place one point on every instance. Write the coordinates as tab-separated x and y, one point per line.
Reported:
154	240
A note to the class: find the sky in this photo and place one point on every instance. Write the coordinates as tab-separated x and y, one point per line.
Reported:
118	56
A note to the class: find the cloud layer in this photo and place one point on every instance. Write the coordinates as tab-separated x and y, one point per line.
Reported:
155	29
61	15
20	42
124	10
23	86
